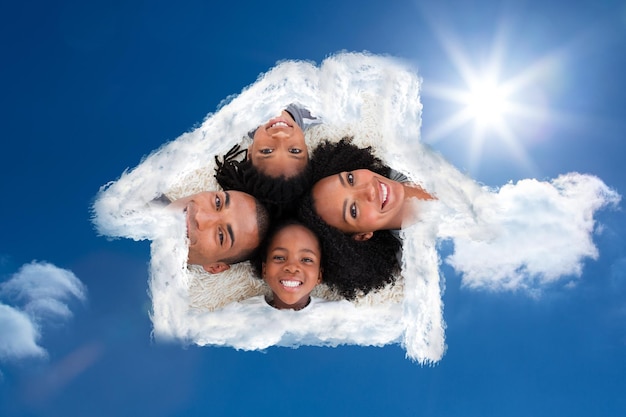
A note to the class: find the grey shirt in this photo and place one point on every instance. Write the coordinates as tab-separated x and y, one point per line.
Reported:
298	113
400	177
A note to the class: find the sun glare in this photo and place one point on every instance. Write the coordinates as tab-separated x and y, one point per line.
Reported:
487	103
489	106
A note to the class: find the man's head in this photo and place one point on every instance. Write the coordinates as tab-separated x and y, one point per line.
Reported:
223	227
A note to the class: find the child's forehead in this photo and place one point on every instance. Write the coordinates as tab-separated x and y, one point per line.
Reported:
296	233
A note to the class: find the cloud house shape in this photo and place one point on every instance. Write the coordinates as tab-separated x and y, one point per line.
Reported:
375	99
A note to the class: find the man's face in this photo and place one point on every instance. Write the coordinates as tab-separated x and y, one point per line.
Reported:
221	225
278	147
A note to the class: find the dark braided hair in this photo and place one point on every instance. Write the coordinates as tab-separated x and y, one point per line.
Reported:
280	195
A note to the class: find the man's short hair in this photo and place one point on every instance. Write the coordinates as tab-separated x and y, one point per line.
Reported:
263	224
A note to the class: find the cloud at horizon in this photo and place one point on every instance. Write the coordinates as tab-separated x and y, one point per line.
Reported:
37	295
540	232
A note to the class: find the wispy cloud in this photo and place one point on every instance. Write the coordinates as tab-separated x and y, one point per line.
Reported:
19	334
39	293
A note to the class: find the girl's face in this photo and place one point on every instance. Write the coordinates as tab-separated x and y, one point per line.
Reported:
359	202
278	147
292	266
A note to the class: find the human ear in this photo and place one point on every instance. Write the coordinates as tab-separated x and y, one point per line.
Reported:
216	267
263	270
249	153
319	278
362	236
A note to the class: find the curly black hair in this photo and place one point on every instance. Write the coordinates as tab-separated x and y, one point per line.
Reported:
330	158
279	195
352	267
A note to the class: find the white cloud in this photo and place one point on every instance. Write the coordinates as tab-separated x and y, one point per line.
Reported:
39	293
539	232
44	289
19	335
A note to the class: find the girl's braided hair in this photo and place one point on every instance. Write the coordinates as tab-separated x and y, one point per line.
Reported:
280	195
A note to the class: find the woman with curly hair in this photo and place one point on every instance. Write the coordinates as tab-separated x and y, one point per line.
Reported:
352	267
356	193
357	206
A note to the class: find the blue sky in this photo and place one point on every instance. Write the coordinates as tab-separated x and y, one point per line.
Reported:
88	89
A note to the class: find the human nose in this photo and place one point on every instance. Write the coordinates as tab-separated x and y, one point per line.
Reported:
291	267
206	219
367	192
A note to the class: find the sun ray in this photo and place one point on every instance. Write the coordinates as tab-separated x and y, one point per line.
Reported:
449	125
492	105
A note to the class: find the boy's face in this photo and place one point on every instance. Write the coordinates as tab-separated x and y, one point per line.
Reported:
278	148
292	266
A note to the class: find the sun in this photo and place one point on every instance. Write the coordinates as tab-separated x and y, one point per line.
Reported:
486	101
488	106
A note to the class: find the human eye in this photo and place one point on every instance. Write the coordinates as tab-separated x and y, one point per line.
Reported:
278	258
266	151
308	260
220	236
218	202
353	211
295	150
350	178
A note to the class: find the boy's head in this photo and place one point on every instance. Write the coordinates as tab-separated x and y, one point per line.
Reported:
291	265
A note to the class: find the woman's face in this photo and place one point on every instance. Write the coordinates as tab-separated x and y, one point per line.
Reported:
292	266
278	147
359	202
